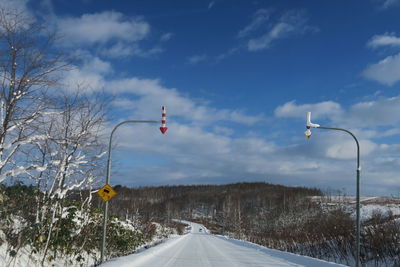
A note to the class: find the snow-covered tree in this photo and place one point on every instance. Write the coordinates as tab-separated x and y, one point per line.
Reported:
48	135
28	68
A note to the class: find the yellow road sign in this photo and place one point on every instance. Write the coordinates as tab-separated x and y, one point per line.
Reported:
106	192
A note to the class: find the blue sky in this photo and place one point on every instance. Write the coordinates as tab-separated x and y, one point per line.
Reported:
237	78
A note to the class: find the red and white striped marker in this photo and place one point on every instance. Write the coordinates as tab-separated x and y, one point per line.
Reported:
163	127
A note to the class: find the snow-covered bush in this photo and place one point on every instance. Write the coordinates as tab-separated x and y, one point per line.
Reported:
76	232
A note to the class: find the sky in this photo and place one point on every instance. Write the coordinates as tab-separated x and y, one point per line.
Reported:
237	78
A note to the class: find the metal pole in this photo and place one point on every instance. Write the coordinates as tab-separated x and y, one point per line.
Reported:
105	217
357	193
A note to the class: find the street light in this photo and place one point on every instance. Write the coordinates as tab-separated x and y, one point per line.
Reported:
163	130
310	125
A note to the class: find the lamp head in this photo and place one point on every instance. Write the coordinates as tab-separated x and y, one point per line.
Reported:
309	125
308	133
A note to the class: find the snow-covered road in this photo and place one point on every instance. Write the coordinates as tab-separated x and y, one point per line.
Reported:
198	248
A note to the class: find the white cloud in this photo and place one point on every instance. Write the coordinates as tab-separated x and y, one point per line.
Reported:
197	59
388	3
102	27
293	22
386	71
109	33
347	149
387	39
194	155
277	32
199	148
112	33
227	54
19	5
259	18
122	49
319	110
90	75
263	30
166	37
381	112
196	152
211	4
223	130
140	96
152	94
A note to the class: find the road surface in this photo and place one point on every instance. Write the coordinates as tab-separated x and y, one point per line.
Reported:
198	248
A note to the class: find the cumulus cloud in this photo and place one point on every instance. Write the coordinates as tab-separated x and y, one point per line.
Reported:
140	96
210	144
223	130
365	119
347	149
369	121
197	150
90	75
195	155
387	39
322	109
200	148
122	49
381	112
20	5
386	71
367	114
102	27
152	94
112	33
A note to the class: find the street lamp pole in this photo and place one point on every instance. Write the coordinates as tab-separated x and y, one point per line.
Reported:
308	135
163	129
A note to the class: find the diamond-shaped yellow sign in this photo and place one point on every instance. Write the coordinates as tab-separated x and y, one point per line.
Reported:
106	192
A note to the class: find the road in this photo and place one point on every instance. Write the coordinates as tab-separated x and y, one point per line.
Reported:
198	248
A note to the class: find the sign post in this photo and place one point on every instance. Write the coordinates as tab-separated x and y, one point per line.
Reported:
310	125
106	191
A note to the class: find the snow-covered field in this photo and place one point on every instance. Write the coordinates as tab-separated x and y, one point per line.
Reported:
199	248
367	211
368	205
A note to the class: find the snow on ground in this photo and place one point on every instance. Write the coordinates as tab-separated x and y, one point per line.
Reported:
199	248
368	205
366	211
352	199
25	257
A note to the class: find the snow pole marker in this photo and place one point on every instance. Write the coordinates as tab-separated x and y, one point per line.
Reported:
163	127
